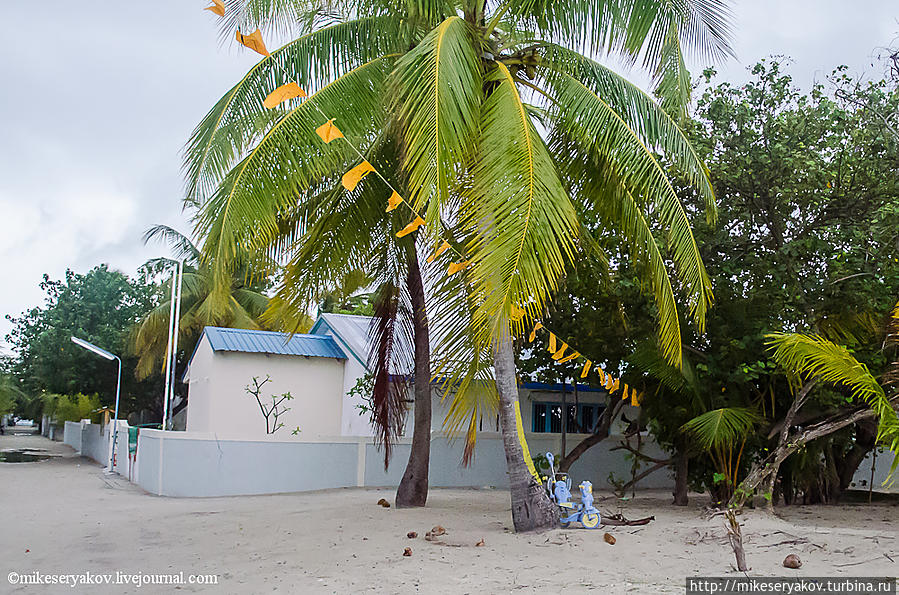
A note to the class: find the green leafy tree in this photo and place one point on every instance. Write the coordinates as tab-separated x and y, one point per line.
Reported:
448	99
100	306
808	197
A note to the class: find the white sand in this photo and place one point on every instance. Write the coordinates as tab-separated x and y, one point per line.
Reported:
64	516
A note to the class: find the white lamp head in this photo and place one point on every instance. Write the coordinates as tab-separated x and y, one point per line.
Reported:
93	348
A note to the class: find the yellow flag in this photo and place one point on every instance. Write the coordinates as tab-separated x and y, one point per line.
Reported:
625	393
352	178
610	383
282	94
394	201
533	334
552	343
614	386
411	227
218	7
516	313
602	376
570	357
635	400
328	131
253	41
586	369
455	267
561	352
440	250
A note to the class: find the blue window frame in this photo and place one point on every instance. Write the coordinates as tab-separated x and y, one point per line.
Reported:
547	418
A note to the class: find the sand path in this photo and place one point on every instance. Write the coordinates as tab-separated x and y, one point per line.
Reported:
64	516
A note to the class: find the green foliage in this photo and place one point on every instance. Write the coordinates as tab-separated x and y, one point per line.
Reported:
63	408
100	306
245	305
443	98
721	428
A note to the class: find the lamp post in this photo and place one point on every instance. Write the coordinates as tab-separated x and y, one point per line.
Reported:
115	420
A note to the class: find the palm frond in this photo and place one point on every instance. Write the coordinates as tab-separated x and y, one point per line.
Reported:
600	132
239	119
721	428
524	223
437	90
181	245
810	356
244	214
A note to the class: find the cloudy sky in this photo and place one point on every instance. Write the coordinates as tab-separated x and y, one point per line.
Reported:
99	97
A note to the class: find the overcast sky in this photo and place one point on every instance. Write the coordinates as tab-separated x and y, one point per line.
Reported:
98	99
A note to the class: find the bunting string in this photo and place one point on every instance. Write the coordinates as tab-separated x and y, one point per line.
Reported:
329	132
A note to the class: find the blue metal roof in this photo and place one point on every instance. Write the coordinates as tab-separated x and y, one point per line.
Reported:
249	341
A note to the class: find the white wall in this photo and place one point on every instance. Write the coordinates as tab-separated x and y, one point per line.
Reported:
219	403
198	465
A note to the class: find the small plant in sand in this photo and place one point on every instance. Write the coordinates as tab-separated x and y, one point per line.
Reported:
271	412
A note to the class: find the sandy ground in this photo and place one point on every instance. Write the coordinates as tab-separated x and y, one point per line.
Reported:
64	516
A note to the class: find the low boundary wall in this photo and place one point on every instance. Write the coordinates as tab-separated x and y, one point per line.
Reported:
198	465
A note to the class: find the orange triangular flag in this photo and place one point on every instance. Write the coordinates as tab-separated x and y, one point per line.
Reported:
615	386
455	267
570	357
635	400
352	178
411	227
328	131
218	7
533	334
558	355
624	393
253	41
602	376
282	94
394	201
516	313
443	248
586	369
552	343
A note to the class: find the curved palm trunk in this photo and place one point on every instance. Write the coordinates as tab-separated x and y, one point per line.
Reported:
413	489
532	509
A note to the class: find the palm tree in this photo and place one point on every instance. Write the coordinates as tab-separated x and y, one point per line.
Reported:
448	100
245	304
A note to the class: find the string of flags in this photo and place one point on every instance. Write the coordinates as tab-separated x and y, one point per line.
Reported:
329	132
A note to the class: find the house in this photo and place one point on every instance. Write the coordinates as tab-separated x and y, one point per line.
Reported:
319	370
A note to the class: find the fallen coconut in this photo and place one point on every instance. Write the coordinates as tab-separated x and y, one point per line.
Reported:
411	534
407	552
792	561
384	503
609	538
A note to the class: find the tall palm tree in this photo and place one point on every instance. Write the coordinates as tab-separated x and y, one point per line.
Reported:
499	126
244	308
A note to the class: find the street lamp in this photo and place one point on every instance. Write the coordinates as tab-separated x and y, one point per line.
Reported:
115	420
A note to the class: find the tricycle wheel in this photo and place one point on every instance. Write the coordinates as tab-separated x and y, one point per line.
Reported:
590	520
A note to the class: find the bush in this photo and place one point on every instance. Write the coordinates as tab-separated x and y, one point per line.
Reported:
63	408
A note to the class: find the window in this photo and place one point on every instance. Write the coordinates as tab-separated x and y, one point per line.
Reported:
547	418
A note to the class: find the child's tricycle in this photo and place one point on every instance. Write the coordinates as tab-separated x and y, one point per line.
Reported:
559	487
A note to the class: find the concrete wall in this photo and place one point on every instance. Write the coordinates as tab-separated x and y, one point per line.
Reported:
198	465
95	443
219	402
72	435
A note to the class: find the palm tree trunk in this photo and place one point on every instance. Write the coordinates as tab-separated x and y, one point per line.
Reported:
681	468
532	509
413	489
